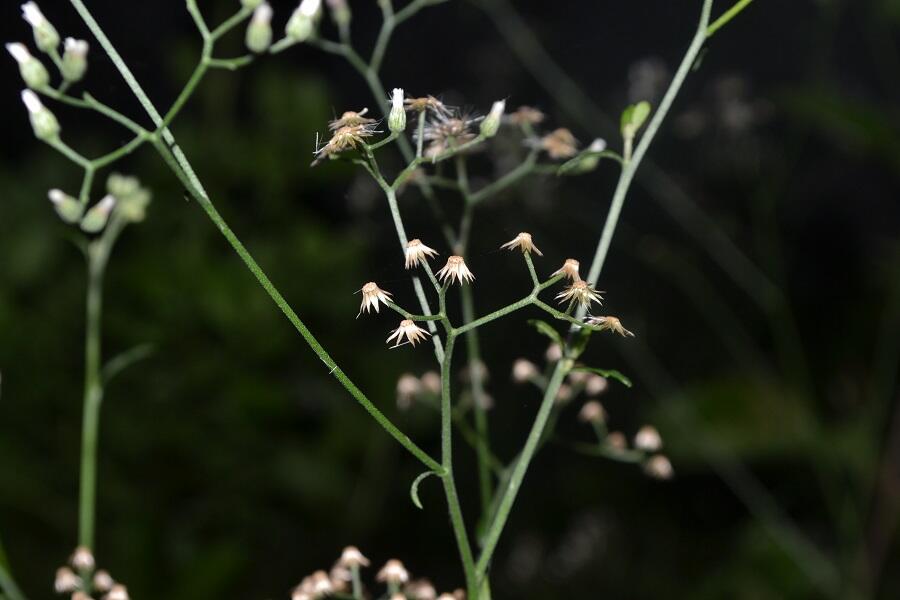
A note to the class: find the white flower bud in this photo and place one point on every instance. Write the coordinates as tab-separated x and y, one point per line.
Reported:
82	559
43	122
33	72
397	117
302	23
491	123
259	31
98	215
68	208
74	62
45	35
524	371
648	439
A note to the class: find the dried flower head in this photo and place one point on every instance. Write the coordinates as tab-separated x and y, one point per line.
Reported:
580	292
416	252
609	324
648	439
66	581
446	131
524	370
408	387
592	412
394	572
559	143
431	382
523	242
352	557
117	592
456	270
82	559
409	330
569	269
420	589
428	103
526	115
372	297
351	119
659	467
595	385
103	581
616	440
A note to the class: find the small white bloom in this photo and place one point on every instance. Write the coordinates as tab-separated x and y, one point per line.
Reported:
103	581
77	47
372	296
32	70
409	330
659	467
523	242
351	556
262	14
524	370
553	353
117	592
416	252
82	559
598	145
596	385
648	439
19	52
393	571
66	581
456	270
33	14
408	387
32	102
431	381
310	8
592	412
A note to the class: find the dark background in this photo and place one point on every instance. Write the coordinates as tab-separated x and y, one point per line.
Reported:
757	260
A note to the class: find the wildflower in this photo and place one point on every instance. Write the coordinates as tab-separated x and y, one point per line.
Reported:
352	557
648	439
259	31
96	217
82	559
523	242
456	270
559	143
659	467
372	296
420	589
117	592
491	123
416	252
350	131
103	581
609	324
428	103
616	440
569	269
66	581
68	208
45	36
408	387
447	131
409	330
526	115
431	382
564	393
393	572
74	61
33	72
301	26
553	353
351	118
596	385
579	292
592	412
397	117
524	370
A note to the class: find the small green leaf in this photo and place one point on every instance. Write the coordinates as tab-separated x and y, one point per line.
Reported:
548	330
608	373
414	488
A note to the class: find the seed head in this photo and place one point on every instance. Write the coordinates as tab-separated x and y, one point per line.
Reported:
524	370
580	292
409	330
351	118
446	131
559	144
648	439
609	324
393	572
428	103
416	252
659	467
456	270
523	242
372	297
592	412
569	269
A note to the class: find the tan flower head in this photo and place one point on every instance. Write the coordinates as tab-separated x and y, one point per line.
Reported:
103	581
456	270
524	370
408	387
372	296
595	385
648	439
431	381
616	440
429	103
344	138
351	556
526	115
117	592
523	242
420	589
609	324
580	292
66	581
82	559
393	571
416	252
592	412
559	144
569	269
446	131
351	119
409	330
659	467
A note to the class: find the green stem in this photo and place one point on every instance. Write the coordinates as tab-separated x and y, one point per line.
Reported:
507	180
7	584
727	16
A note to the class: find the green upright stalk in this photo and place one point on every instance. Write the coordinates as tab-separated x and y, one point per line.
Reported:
7	584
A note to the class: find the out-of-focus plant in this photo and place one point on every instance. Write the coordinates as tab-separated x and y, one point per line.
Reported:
441	136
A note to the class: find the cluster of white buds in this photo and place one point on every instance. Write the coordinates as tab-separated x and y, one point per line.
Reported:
80	579
45	35
43	122
74	60
33	72
72	65
302	24
397	116
259	31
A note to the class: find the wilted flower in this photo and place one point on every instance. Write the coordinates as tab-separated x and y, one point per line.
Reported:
579	292
66	581
351	556
648	439
416	252
408	387
609	323
523	242
82	559
569	269
559	143
524	370
348	136
526	115
596	385
455	270
74	61
429	103
592	412
409	330
659	467
393	572
397	116
32	70
372	296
